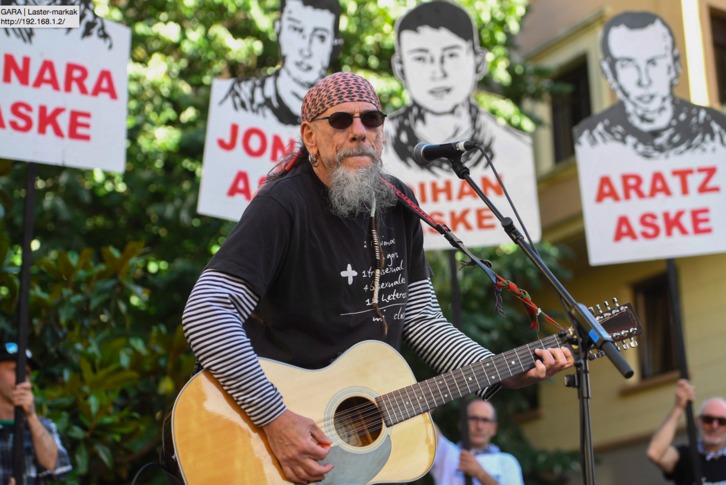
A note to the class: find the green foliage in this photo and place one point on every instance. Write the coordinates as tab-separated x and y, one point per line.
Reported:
115	255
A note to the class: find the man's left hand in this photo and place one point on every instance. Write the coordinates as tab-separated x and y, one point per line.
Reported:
548	363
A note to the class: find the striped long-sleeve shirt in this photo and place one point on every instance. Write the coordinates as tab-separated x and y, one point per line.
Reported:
219	305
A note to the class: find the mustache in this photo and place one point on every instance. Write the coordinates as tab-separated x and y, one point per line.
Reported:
355	152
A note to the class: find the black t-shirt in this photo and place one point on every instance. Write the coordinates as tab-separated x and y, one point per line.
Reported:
313	271
712	471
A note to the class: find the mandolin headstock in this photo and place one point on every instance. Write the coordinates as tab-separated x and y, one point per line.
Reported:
620	322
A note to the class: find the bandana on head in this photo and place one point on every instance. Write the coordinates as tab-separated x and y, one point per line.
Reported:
341	87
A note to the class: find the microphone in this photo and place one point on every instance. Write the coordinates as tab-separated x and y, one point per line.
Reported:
424	153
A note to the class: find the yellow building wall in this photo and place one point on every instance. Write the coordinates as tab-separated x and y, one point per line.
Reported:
556	33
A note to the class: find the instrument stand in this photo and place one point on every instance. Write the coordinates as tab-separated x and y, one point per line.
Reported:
589	332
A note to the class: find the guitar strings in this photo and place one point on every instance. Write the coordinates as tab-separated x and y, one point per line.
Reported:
370	418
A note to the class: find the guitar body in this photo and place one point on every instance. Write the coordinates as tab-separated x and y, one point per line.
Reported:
215	441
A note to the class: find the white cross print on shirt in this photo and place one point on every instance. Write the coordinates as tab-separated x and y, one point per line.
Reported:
349	273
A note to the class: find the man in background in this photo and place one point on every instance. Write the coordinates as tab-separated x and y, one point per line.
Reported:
484	461
675	461
45	457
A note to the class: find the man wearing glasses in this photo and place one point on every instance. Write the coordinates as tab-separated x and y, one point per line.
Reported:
324	258
675	461
483	461
45	456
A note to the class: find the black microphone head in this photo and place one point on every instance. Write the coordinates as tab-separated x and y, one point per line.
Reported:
418	155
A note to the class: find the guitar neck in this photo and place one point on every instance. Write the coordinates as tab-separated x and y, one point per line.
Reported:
424	396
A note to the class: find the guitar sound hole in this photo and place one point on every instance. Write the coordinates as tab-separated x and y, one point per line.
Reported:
358	421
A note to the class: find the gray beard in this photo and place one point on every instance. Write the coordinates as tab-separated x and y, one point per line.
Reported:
353	192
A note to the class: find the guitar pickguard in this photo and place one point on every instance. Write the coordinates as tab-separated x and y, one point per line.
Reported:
356	468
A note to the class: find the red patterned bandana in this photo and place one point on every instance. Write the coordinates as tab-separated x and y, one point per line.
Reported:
341	87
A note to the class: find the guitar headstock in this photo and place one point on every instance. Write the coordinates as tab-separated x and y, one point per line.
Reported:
620	322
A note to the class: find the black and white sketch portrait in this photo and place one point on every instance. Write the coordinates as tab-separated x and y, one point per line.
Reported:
439	61
641	62
308	38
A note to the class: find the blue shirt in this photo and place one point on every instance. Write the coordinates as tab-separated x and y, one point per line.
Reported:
503	467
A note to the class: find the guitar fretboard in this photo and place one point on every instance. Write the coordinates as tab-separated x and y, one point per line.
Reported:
424	396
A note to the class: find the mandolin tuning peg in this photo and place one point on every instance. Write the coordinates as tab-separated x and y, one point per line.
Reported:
615	302
625	345
607	305
633	342
599	310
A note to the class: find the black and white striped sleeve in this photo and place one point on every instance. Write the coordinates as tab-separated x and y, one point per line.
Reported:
441	345
212	322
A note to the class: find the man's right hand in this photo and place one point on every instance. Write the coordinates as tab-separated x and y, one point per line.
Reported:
298	443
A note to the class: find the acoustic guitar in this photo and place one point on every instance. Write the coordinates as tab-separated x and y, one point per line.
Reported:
367	401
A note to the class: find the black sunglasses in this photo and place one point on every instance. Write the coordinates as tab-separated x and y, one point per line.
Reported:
706	419
342	120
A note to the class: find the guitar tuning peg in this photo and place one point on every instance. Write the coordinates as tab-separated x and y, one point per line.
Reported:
599	310
615	302
626	346
591	310
607	305
633	342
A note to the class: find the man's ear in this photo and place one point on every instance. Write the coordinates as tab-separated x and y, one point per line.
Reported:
397	66
480	59
308	137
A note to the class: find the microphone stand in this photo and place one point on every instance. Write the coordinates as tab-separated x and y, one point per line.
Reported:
588	330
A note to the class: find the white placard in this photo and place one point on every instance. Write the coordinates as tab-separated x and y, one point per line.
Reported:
63	97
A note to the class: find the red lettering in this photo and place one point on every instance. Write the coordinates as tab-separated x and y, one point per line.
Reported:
247	145
458	221
46	75
240	186
480	219
704	188
279	149
12	67
632	183
682	175
230	143
623	229
48	121
701	221
77	121
22	111
45	119
652	225
491	186
649	221
75	74
485	219
104	84
659	185
606	190
673	221
438	191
